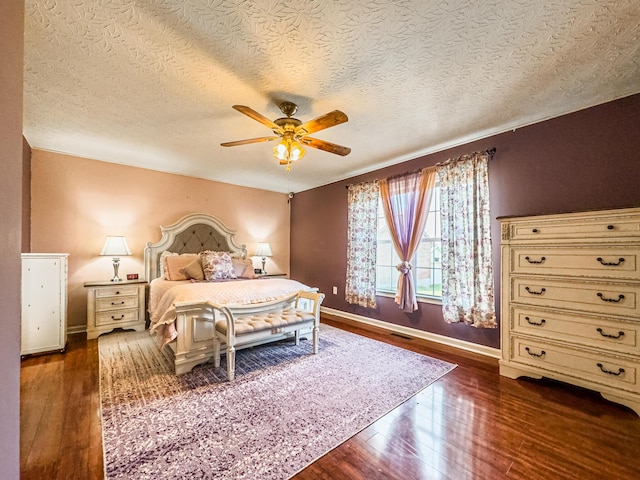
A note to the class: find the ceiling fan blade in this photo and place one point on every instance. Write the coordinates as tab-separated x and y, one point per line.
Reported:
326	146
250	140
324	121
250	112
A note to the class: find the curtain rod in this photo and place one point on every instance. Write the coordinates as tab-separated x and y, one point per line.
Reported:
489	151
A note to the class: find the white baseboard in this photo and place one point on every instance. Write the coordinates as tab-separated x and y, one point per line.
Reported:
413	332
76	329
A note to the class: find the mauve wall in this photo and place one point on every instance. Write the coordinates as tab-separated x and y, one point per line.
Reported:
11	214
582	161
77	202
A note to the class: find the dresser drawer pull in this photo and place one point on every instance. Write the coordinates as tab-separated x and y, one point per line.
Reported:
604	370
119	318
533	292
117	303
537	355
538	324
610	227
542	259
619	335
605	299
535	230
610	264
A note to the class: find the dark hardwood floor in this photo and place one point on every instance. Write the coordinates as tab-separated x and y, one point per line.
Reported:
470	424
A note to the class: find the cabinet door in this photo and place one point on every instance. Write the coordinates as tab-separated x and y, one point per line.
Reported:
41	305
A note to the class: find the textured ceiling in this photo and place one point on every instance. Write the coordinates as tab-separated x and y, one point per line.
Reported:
151	83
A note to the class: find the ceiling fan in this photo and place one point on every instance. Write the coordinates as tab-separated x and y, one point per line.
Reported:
292	133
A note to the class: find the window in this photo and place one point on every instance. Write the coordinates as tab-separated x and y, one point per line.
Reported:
426	264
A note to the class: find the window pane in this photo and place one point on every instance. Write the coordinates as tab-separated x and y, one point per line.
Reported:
384	253
384	280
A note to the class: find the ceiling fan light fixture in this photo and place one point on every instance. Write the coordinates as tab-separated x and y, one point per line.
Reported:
288	150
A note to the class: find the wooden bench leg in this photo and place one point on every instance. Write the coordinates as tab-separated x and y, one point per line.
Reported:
231	362
216	353
316	331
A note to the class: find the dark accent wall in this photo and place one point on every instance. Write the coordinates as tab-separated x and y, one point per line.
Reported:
586	160
11	159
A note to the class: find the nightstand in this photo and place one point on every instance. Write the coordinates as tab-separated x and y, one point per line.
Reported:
115	305
271	275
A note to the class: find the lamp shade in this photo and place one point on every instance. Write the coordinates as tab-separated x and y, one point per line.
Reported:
115	247
263	249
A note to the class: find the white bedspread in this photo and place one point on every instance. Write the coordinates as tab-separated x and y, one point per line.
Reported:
164	295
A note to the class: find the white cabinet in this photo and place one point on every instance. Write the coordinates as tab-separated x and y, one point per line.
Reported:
44	302
571	300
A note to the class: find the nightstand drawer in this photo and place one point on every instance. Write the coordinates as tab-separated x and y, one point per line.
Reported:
115	317
117	290
116	303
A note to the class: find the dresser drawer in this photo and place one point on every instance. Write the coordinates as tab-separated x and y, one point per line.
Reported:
116	303
579	227
594	367
620	262
111	318
116	290
597	332
608	298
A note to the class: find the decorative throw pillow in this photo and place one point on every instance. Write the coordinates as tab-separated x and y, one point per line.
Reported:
163	263
175	263
193	270
248	272
240	265
217	265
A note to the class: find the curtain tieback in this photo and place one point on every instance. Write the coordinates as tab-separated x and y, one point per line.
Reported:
404	267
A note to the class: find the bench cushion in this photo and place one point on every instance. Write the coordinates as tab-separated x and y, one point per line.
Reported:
266	321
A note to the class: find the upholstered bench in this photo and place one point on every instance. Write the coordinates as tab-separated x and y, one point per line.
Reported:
249	325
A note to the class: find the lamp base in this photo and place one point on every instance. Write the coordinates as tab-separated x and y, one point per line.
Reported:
264	260
116	266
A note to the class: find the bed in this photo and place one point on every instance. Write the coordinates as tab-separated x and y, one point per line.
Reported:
179	314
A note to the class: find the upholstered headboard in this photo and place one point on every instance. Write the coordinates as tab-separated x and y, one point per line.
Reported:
191	234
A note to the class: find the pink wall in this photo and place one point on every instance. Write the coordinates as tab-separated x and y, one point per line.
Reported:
77	202
11	211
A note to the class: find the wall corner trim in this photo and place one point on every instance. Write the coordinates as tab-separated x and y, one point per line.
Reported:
413	332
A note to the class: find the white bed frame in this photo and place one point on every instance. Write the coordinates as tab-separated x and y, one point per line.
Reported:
194	320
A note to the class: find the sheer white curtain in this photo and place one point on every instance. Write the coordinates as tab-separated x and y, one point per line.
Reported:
362	233
406	199
467	271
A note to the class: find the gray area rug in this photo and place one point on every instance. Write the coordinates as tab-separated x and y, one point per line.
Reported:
285	409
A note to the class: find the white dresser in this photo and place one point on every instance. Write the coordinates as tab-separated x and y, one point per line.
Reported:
571	300
44	302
